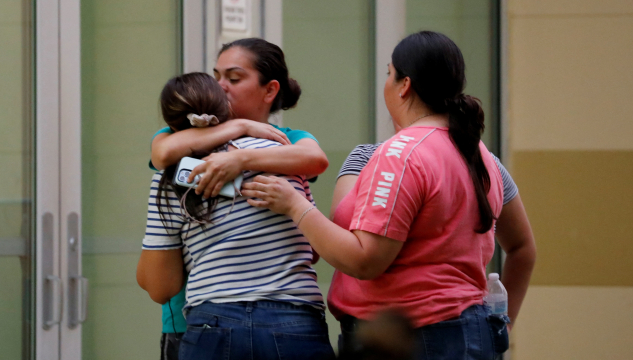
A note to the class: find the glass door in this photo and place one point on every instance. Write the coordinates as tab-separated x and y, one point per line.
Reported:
17	193
128	52
36	304
125	54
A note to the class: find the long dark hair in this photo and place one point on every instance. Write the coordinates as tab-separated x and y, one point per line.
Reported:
436	68
269	61
192	93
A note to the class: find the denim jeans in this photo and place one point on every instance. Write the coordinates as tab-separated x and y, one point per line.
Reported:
255	330
475	335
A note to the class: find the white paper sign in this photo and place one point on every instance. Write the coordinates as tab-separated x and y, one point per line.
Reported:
235	15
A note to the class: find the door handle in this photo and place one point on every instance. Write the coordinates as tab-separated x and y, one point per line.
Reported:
54	283
78	301
51	283
77	284
84	300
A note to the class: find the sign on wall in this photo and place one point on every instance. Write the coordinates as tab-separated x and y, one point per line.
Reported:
235	15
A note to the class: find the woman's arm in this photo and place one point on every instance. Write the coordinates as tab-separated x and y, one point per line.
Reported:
305	157
516	239
161	273
360	254
344	185
168	149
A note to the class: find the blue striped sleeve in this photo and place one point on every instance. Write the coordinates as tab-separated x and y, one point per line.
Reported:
510	189
357	159
163	232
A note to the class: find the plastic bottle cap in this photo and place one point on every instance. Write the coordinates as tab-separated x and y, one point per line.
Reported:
493	276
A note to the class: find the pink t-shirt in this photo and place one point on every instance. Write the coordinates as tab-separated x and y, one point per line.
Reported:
417	189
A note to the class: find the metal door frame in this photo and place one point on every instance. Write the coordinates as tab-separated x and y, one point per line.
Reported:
57	176
47	275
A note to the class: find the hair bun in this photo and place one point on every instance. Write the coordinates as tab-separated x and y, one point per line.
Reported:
290	94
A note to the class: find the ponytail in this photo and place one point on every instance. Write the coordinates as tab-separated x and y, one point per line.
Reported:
465	126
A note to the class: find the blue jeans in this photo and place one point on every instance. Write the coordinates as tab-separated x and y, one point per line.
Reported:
255	330
474	335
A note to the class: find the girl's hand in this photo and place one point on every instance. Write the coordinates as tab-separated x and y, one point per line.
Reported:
263	130
277	194
218	169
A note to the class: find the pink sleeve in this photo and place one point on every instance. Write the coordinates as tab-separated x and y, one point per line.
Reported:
391	190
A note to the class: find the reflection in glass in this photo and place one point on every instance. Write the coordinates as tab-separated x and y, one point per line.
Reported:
16	192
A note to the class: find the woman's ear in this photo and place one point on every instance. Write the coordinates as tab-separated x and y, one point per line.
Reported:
272	89
405	87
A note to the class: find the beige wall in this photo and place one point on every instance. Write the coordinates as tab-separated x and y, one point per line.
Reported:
571	153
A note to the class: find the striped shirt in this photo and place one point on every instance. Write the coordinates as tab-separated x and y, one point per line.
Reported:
250	254
361	154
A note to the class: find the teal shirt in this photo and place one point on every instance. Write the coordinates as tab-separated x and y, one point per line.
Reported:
173	319
295	135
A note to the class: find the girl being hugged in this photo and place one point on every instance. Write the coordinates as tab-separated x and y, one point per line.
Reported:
251	290
254	75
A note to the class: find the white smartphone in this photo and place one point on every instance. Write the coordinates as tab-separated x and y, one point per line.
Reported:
187	164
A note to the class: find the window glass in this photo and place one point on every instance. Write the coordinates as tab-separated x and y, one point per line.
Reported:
129	50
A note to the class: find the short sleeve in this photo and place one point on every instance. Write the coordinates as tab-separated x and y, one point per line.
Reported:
510	189
295	135
391	190
163	233
165	130
357	159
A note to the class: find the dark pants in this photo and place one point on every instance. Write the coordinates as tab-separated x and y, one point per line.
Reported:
259	330
474	335
169	346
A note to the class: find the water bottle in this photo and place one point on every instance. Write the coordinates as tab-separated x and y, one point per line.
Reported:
497	297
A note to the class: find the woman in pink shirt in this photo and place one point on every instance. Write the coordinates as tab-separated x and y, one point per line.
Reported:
417	229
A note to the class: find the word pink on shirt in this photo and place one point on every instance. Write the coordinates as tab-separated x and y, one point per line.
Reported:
417	189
